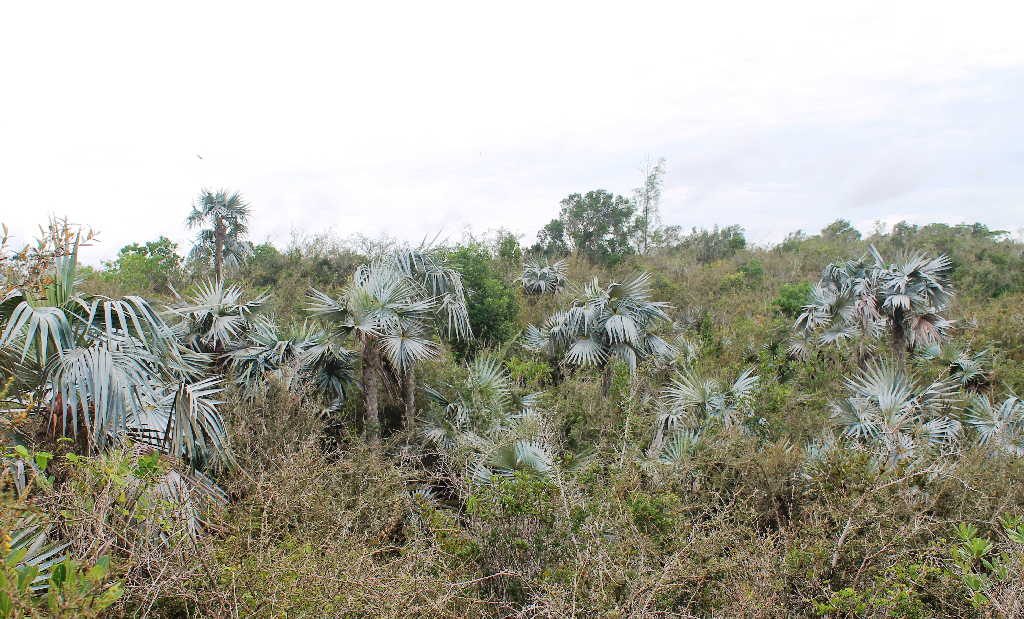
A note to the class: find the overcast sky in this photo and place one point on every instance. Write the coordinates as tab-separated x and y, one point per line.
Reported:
413	119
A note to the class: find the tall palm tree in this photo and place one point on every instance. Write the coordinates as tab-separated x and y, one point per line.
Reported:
392	309
226	220
864	299
602	323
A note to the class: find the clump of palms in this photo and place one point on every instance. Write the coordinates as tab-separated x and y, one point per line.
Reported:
864	300
223	222
542	277
893	415
107	369
298	357
999	426
479	426
618	321
392	310
693	403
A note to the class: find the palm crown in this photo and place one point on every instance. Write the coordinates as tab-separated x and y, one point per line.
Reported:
893	415
392	309
616	321
108	369
543	277
863	299
226	220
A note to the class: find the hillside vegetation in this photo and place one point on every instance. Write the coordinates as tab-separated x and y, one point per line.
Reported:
622	420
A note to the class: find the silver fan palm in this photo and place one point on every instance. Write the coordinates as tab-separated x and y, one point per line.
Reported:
861	300
226	216
106	369
215	319
694	401
1000	426
479	423
392	309
603	323
889	412
543	277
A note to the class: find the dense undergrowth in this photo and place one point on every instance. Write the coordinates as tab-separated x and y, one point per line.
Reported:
526	486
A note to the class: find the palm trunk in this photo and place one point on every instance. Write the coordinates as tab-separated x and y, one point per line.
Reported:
899	341
409	398
606	379
218	253
371	390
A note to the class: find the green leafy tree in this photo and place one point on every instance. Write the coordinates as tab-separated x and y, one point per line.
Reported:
598	225
840	230
223	222
552	240
792	299
151	266
491	302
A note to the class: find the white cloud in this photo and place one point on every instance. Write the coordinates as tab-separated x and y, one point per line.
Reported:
408	119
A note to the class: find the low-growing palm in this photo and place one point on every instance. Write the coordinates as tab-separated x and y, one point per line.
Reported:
604	323
893	415
107	369
694	401
967	367
542	277
297	357
862	300
215	319
479	426
1000	426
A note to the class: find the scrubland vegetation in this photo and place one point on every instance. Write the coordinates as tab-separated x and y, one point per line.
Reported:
624	419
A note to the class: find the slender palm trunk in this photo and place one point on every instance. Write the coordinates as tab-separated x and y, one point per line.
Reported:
899	342
218	253
409	398
371	390
606	379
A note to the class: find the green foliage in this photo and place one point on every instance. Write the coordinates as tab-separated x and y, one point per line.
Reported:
900	591
840	230
705	246
717	475
598	225
792	299
983	566
70	590
491	302
149	267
